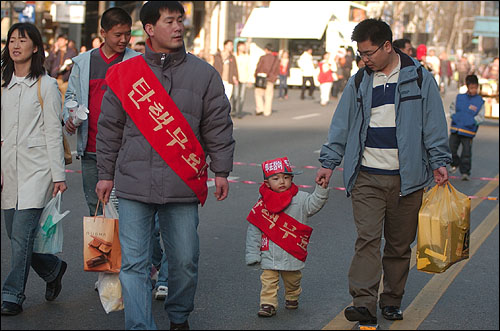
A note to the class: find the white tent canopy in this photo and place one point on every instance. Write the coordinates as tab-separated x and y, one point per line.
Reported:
283	19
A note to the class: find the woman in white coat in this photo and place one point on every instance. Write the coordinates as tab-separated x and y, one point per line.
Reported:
32	161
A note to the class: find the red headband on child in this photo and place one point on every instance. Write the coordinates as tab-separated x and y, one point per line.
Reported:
276	166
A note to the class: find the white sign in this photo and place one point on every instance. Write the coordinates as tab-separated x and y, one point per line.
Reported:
67	13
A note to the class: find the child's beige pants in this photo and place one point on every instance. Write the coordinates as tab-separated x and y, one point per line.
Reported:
270	280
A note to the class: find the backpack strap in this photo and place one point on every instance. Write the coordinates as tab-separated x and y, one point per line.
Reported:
420	78
358	78
39	87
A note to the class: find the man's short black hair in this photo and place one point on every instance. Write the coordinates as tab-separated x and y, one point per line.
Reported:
228	41
471	79
269	47
114	16
151	11
377	31
401	43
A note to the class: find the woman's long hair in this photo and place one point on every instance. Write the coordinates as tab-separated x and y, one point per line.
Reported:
37	69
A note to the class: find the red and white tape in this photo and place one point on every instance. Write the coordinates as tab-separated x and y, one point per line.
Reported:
250	182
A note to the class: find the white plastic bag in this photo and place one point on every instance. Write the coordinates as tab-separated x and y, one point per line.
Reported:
110	291
108	284
49	235
111	211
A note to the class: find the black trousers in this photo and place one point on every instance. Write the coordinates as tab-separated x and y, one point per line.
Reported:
463	162
311	87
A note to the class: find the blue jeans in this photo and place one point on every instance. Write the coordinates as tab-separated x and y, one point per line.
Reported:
283	88
21	226
159	257
89	179
239	98
178	226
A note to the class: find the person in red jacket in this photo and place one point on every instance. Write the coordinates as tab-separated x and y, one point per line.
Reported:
325	79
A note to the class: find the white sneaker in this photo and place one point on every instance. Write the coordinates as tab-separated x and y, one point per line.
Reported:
161	292
453	170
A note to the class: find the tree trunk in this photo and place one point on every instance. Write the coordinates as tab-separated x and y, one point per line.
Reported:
456	22
207	23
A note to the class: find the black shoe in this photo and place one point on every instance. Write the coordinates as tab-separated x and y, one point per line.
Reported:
11	308
182	326
392	313
359	314
258	114
54	287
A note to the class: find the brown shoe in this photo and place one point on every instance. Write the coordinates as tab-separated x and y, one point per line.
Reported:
266	310
291	304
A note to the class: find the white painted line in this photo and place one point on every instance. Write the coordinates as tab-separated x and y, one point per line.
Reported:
212	182
305	116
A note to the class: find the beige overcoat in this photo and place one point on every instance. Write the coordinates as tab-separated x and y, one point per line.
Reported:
32	149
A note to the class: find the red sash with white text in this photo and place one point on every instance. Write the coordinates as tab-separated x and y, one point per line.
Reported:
160	121
282	229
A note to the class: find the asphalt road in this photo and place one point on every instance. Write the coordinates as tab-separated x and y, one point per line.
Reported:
464	297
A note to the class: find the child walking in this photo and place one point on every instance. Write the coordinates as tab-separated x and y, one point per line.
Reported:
467	112
277	235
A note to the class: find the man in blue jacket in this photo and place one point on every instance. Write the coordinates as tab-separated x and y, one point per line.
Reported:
391	132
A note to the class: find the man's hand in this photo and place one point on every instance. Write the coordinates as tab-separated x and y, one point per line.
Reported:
103	190
440	176
70	127
221	188
323	177
59	186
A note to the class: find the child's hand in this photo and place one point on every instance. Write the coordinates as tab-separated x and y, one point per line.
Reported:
323	177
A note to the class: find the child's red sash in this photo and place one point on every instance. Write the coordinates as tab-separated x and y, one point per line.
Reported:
160	121
282	229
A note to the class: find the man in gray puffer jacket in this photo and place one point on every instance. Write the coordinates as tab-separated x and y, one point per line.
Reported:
146	170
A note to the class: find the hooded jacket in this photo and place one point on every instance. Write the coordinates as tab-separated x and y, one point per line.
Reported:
421	129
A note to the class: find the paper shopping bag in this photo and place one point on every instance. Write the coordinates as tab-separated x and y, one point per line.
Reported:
443	229
101	244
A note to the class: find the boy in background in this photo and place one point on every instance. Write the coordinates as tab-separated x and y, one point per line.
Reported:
466	113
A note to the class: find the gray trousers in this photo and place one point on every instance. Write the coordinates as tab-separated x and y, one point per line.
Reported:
378	206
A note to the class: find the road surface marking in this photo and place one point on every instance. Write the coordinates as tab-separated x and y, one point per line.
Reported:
305	116
427	298
211	182
340	323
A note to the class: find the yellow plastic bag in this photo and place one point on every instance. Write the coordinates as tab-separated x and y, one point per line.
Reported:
443	229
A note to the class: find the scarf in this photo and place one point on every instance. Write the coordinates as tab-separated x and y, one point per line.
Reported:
276	202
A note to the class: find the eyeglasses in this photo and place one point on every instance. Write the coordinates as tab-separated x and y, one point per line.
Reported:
369	54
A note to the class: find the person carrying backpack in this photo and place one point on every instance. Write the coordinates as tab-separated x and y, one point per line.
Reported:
391	131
